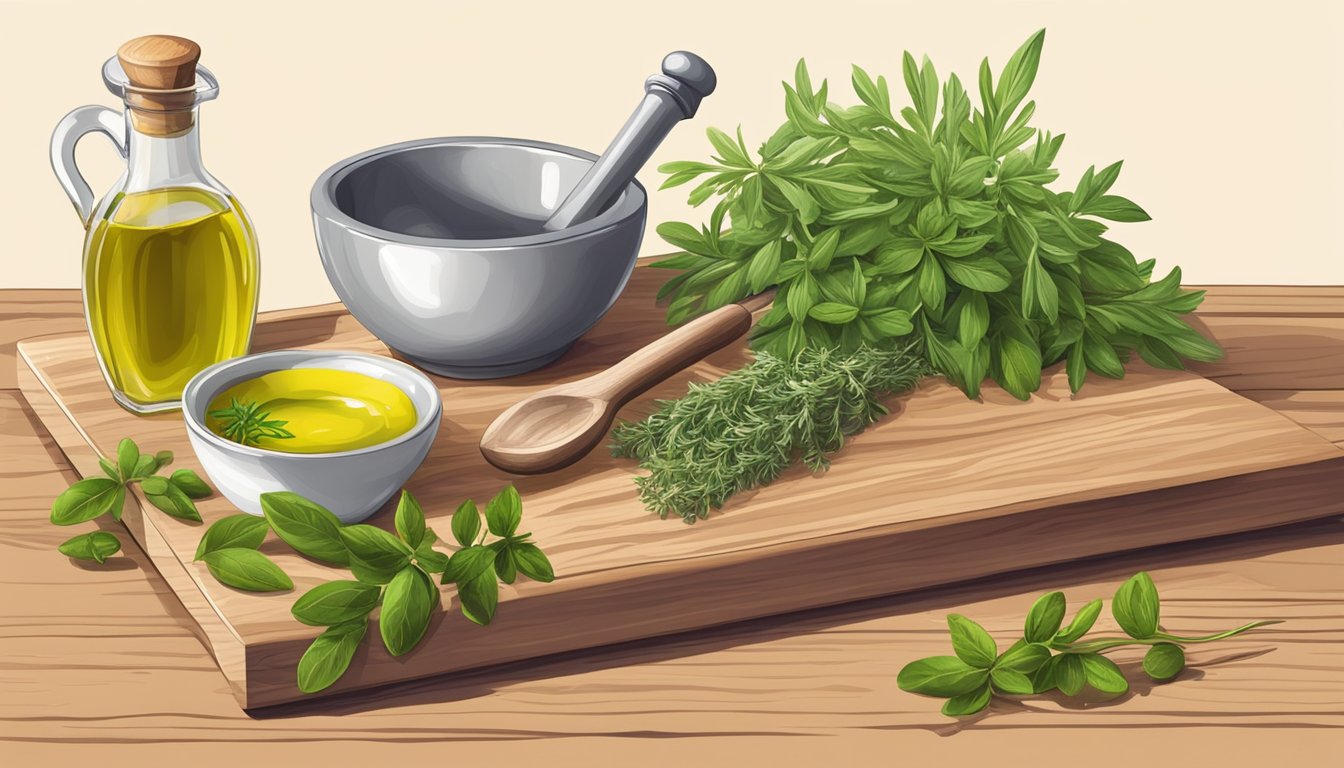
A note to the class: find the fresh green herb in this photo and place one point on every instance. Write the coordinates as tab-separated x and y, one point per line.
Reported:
330	654
93	497
742	430
478	567
1049	656
96	546
390	571
240	530
309	528
246	569
933	221
245	423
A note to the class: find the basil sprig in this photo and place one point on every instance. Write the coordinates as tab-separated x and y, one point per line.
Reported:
1051	655
93	497
393	574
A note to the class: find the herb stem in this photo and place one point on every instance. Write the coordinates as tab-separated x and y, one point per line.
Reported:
1096	645
1218	636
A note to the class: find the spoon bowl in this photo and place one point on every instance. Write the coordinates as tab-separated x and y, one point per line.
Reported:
546	433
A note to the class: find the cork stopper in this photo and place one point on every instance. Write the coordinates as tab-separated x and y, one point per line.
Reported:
161	75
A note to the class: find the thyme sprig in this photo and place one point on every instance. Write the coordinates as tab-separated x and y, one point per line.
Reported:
743	430
245	423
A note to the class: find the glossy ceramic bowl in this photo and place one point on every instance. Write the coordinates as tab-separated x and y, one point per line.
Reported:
437	247
352	484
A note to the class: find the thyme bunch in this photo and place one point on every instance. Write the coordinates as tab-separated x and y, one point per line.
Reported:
743	430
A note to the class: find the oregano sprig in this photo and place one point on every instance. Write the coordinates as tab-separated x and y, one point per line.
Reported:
1051	655
93	497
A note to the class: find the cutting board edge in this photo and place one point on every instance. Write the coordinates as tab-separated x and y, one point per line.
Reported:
205	622
270	674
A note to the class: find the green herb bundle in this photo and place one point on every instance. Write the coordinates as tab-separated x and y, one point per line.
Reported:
934	220
742	430
1051	655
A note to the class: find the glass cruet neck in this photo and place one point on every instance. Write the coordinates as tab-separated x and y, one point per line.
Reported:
155	161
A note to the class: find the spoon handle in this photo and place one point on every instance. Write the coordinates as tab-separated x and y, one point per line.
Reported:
660	359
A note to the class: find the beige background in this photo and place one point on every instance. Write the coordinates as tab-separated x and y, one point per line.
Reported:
1227	115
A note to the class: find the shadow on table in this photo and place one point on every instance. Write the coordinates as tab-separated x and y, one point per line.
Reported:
1111	568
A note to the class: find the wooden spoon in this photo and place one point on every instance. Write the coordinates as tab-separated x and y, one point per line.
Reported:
556	427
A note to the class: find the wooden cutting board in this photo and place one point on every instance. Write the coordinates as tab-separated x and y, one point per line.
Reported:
945	489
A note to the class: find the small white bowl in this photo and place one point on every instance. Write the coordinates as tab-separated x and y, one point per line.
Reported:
352	484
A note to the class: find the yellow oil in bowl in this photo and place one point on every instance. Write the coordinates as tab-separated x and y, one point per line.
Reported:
323	410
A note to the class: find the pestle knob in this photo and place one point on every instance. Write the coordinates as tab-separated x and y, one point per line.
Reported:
669	98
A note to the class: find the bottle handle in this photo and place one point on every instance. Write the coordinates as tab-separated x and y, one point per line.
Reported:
69	131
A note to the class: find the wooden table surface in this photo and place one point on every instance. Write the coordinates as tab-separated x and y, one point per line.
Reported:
99	664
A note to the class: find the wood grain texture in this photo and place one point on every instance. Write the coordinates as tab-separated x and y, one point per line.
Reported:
1178	456
99	664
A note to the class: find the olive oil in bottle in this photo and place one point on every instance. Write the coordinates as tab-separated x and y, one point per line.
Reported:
170	259
170	287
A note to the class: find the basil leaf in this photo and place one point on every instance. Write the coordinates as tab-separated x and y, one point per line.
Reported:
1082	622
128	455
1164	661
169	498
505	565
96	546
432	560
246	569
1043	679
190	483
109	469
336	602
408	605
971	642
466	523
833	313
1135	606
162	459
466	563
241	531
532	562
940	676
1103	674
1011	681
410	520
980	273
968	703
87	499
329	656
504	512
1044	618
1070	676
1023	657
375	555
144	467
479	594
307	527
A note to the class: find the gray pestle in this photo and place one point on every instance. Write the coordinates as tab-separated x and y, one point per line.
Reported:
668	98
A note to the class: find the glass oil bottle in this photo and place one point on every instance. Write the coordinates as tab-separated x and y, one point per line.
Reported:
170	258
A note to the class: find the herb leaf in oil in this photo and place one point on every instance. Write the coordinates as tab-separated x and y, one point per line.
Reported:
245	423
